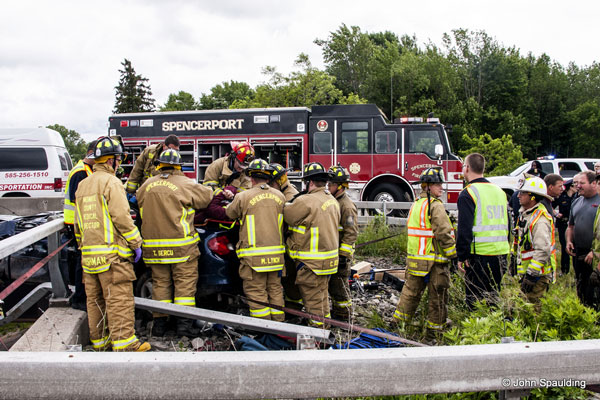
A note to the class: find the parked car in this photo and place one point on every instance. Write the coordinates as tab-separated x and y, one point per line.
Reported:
566	167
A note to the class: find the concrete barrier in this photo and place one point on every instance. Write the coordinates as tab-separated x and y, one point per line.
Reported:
299	374
56	330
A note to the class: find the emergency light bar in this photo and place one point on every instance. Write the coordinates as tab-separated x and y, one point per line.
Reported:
410	120
433	120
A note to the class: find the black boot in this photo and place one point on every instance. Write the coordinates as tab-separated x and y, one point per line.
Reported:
185	327
159	326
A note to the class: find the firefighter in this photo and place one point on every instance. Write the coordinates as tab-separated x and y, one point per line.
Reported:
167	203
260	247
430	247
108	240
144	167
313	218
348	232
536	241
279	180
228	170
80	171
292	296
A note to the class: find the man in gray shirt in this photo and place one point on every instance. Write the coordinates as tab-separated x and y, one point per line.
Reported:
580	232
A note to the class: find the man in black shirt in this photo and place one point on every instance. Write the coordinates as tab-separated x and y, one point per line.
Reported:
563	202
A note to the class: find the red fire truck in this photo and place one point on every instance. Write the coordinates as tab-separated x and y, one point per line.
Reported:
384	159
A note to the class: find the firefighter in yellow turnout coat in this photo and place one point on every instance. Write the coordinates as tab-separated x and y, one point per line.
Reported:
108	240
145	165
537	256
291	293
430	246
348	228
313	220
167	205
260	247
229	170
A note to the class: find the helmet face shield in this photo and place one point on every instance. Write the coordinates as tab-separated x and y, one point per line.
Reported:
243	152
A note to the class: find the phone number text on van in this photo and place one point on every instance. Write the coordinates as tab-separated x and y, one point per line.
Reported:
26	174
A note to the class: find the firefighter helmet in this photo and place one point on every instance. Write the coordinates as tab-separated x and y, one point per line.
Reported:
259	168
107	146
314	171
169	156
535	186
243	152
338	174
432	175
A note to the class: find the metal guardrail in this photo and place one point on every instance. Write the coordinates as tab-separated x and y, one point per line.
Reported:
10	245
25	206
300	374
365	209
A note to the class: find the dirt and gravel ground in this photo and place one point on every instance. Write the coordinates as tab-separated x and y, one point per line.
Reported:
375	298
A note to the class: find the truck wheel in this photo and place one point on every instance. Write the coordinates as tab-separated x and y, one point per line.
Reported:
389	193
143	286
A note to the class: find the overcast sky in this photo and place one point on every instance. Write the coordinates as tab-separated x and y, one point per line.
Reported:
59	59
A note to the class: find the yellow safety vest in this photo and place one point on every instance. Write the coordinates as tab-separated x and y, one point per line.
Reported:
69	207
420	246
527	246
490	226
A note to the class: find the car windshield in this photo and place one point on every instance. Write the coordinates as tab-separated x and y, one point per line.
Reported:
523	168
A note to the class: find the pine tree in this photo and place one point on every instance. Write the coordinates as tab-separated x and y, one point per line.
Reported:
133	94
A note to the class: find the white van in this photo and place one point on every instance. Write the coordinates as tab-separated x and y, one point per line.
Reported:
33	163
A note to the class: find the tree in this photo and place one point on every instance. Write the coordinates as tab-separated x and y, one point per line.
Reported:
347	53
225	94
133	94
585	122
76	146
501	154
181	101
306	87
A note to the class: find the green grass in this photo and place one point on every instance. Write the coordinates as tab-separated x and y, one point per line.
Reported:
394	248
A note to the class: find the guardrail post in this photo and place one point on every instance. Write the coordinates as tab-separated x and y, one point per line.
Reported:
59	289
384	210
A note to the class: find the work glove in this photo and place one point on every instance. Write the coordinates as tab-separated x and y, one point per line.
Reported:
528	283
138	254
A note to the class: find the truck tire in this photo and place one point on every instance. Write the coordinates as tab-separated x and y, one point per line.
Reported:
388	192
143	286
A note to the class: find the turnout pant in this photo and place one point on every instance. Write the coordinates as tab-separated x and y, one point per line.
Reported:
483	277
175	283
437	283
538	291
313	289
110	307
265	287
339	289
293	298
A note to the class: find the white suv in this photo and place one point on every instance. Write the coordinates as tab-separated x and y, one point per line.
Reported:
566	167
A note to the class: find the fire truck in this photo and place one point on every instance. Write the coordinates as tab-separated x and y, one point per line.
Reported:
384	159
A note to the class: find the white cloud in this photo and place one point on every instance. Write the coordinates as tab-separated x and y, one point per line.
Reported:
60	59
